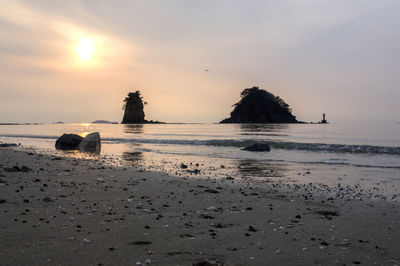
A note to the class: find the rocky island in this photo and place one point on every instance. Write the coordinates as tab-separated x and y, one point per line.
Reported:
260	106
134	110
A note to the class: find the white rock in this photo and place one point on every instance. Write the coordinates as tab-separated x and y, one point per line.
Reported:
91	143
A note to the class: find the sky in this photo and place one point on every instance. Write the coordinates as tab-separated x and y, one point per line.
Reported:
339	57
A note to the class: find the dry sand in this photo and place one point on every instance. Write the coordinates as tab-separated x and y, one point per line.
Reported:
66	211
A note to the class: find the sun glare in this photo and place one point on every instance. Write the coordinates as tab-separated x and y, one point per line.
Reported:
85	50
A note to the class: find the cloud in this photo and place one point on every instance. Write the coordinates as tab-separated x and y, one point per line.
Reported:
316	54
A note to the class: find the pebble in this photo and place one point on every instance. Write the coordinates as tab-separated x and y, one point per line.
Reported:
86	241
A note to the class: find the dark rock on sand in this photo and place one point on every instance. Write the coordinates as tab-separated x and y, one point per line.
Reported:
260	106
328	213
252	229
4	145
258	147
207	263
195	171
47	199
210	190
16	168
68	142
140	242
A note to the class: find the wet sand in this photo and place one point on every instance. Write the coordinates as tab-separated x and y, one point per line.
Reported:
66	211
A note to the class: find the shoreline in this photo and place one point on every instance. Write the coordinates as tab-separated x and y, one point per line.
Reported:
70	211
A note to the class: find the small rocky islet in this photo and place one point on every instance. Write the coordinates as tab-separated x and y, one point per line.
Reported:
260	106
134	110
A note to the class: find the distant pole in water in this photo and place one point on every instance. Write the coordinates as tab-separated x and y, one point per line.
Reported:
323	119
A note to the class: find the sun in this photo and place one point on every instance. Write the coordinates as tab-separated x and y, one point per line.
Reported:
85	49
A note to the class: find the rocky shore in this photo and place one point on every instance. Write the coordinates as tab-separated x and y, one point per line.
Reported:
68	211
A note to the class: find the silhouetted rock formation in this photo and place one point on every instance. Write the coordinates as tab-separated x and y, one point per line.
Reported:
260	106
133	106
134	114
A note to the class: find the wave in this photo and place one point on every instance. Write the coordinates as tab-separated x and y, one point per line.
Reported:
314	147
29	136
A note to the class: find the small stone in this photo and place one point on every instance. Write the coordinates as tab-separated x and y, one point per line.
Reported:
140	243
47	199
86	241
252	229
324	243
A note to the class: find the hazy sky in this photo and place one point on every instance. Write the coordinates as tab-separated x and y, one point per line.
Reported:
338	57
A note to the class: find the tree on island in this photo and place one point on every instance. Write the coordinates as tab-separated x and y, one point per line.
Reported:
260	106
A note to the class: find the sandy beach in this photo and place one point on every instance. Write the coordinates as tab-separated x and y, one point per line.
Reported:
67	211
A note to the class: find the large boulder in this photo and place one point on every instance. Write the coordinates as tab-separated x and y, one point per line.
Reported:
68	142
258	147
91	143
260	106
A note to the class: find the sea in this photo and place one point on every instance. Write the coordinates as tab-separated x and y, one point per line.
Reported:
363	156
